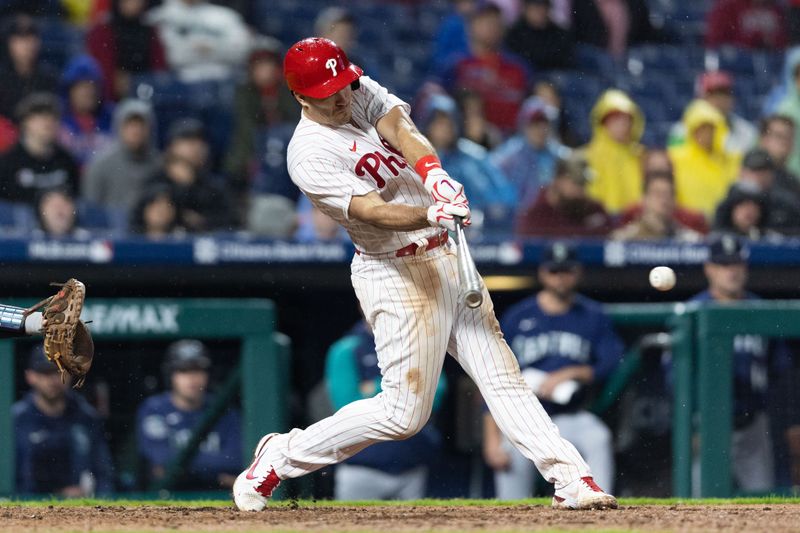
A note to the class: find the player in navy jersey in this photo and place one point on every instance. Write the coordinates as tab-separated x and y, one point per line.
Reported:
60	444
755	359
563	342
165	422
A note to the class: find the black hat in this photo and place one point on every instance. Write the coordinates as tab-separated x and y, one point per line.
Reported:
37	103
726	250
187	354
486	6
38	362
757	159
21	25
186	128
559	255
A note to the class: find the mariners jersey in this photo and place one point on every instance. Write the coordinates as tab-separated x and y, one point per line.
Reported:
162	430
56	452
331	164
754	359
581	336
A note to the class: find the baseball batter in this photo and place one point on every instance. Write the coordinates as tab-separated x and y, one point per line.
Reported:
359	158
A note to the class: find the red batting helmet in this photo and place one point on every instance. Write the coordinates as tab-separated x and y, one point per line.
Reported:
318	68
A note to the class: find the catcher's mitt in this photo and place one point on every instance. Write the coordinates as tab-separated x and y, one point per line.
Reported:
67	341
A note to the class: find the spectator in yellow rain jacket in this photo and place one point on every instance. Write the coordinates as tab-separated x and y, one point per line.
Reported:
703	169
614	153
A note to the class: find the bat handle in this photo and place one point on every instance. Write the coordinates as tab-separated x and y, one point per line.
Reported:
459	233
469	282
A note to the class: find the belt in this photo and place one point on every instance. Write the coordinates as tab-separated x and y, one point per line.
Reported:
414	247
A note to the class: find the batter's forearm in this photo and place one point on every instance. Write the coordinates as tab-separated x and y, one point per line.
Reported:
373	210
398	217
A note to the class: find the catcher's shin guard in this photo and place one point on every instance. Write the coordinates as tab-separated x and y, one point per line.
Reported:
12	321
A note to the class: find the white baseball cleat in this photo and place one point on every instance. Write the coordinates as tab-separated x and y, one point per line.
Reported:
253	487
583	494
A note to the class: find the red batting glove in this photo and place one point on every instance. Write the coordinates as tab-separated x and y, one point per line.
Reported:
438	182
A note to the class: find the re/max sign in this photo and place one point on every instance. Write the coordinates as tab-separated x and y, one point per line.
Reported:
120	318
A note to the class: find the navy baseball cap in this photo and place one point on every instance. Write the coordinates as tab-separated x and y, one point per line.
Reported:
758	159
187	354
39	363
726	250
559	256
186	128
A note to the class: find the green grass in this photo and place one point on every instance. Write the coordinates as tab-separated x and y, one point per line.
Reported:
427	503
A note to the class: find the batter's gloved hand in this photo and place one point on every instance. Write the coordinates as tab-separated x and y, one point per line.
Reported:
67	341
443	188
444	215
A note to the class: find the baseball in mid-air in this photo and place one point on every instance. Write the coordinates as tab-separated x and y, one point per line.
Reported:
662	278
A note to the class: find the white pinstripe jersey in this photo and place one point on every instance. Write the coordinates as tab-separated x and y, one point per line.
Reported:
331	164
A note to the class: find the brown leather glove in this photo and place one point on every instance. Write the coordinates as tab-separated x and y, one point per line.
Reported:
67	341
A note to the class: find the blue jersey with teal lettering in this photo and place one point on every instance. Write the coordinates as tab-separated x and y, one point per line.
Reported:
754	359
581	336
53	453
162	430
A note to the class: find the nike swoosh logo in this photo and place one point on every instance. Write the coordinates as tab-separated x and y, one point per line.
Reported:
353	149
249	474
430	164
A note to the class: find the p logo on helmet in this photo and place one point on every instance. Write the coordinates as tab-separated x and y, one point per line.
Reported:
318	68
331	64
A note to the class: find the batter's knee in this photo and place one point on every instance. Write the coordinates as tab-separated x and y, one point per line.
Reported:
406	425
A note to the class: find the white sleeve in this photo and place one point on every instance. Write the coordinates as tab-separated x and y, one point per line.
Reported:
329	186
372	101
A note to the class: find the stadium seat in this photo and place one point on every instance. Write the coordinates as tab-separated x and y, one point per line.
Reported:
15	217
594	60
211	102
92	216
60	42
660	57
735	60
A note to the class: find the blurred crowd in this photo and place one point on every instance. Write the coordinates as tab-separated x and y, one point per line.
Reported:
172	118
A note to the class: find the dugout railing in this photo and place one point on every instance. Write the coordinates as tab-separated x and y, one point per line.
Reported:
263	370
702	337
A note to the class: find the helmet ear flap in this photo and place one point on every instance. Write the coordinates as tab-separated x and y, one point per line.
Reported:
355	85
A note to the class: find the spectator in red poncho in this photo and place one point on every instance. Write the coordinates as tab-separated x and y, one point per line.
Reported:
747	23
124	45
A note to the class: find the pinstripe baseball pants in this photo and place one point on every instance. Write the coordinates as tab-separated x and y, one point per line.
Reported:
411	304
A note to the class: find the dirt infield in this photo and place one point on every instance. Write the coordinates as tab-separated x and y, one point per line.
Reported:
384	519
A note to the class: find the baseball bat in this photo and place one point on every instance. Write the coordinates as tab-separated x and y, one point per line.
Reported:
469	280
